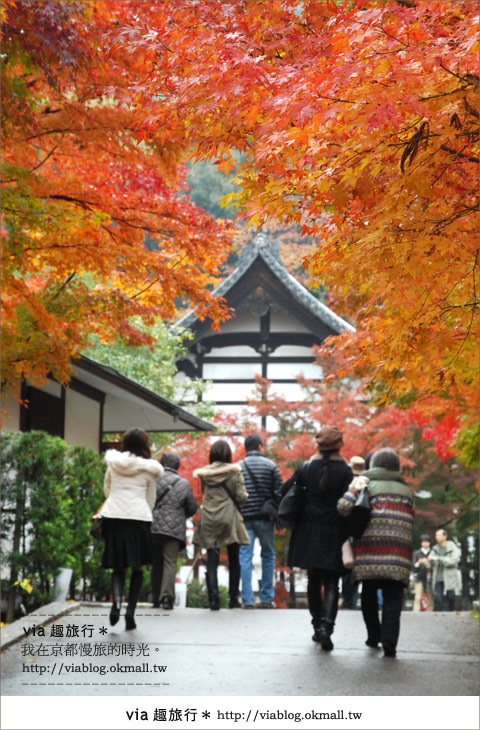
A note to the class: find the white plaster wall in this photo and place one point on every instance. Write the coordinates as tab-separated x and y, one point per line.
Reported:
240	370
288	370
231	391
289	391
281	322
11	414
243	322
82	420
293	351
234	351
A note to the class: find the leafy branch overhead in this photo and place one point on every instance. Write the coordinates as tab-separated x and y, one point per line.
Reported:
80	195
359	122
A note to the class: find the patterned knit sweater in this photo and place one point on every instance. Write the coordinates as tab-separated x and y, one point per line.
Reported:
385	548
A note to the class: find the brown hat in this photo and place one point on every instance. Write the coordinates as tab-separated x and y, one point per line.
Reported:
329	438
357	464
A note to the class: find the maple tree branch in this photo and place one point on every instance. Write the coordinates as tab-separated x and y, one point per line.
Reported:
459	154
460	306
382	30
455	216
467	335
65	284
470	78
44	159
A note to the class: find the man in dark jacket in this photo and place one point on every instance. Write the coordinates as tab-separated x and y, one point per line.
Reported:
174	503
264	484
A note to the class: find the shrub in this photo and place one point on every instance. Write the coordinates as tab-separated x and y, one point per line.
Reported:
197	595
50	491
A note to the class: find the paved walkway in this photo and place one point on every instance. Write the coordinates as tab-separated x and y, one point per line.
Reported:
198	652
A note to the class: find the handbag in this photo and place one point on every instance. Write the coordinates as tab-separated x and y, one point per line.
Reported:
291	505
96	529
269	507
348	558
360	514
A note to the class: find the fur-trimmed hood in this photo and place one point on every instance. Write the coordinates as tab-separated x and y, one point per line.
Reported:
216	473
127	464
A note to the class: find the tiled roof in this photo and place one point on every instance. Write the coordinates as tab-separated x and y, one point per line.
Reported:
262	247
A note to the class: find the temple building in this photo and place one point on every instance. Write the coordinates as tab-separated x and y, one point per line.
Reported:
277	321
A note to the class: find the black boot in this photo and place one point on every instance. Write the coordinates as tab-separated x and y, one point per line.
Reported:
233	575
316	627
212	589
329	611
135	587
324	633
213	555
118	581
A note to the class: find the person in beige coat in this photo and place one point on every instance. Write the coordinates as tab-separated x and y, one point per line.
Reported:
129	488
221	522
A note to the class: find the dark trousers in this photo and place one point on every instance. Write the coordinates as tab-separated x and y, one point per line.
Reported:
323	608
444	600
392	592
349	591
213	558
164	566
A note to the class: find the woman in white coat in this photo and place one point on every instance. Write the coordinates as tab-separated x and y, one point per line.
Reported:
130	486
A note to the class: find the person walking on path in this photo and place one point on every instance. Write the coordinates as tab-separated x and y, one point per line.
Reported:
383	555
174	503
445	558
220	522
349	586
316	541
422	568
264	483
129	487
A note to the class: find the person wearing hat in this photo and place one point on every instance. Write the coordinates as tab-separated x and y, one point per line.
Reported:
316	541
357	465
383	554
349	585
422	566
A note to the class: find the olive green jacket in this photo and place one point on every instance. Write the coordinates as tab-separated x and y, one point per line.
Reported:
220	521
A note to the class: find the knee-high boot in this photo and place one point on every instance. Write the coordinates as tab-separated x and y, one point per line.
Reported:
233	575
212	580
136	581
329	613
118	581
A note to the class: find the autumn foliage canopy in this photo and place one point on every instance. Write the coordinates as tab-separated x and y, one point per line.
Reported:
356	120
81	196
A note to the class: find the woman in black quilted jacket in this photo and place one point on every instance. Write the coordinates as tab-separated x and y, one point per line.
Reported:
316	541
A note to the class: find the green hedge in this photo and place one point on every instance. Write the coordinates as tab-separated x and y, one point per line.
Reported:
50	491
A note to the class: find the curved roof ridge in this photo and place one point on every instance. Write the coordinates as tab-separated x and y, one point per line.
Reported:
302	294
262	246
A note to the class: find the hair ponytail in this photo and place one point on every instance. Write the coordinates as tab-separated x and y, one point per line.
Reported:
324	478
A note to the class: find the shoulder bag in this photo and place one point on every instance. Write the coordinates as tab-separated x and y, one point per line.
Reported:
348	558
269	507
291	506
231	497
360	514
164	494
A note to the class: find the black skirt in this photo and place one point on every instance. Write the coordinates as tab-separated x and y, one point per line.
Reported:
128	543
